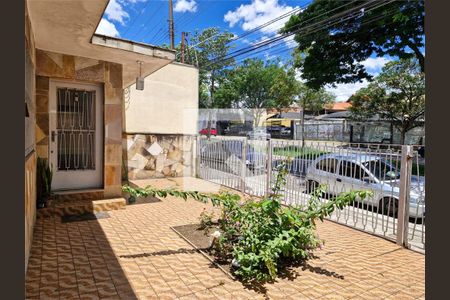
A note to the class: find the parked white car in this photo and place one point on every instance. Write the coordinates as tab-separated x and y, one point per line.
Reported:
344	173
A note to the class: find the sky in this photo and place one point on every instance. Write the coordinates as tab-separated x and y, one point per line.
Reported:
146	21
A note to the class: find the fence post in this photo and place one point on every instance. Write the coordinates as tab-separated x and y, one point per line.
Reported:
269	167
196	157
243	164
403	201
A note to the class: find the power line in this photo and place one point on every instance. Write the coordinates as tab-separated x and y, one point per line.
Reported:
296	26
256	28
280	37
148	20
264	43
136	18
160	35
269	23
284	49
182	22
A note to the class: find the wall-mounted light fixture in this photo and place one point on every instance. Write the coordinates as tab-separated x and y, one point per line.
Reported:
140	79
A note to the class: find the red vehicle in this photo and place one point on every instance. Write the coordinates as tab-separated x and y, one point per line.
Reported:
204	131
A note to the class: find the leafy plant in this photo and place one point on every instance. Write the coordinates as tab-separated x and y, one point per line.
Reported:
256	85
44	176
334	53
397	95
260	235
206	219
163	193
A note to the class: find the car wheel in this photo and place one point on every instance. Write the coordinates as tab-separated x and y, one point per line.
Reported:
311	186
389	206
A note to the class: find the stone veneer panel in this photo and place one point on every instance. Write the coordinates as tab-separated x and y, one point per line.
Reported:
30	137
42	121
30	202
57	65
158	156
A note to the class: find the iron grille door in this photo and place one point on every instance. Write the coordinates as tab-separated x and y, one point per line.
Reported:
75	117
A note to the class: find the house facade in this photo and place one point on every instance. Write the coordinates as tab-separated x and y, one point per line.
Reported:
78	118
160	124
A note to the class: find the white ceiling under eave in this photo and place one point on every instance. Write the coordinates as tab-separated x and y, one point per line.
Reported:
68	27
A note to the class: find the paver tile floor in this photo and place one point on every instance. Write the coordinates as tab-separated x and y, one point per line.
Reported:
134	254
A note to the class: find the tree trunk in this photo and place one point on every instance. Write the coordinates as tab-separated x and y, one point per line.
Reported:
402	136
210	106
391	129
257	117
302	124
351	134
420	57
208	126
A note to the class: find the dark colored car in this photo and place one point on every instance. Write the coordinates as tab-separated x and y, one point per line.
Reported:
297	166
278	131
226	156
204	131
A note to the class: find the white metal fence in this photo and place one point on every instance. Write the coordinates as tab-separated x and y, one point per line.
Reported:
394	174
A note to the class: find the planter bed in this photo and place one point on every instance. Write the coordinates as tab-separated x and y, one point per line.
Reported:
201	240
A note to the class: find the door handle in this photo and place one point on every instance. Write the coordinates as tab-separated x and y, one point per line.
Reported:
53	135
338	179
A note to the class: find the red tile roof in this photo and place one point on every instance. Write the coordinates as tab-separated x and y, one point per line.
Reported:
339	106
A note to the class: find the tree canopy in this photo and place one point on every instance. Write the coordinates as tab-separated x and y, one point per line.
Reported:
314	100
204	47
336	47
396	95
257	86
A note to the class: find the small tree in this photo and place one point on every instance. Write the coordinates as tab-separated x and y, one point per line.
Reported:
396	95
283	89
313	100
207	45
256	86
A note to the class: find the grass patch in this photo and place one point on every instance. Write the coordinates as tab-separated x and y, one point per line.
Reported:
296	151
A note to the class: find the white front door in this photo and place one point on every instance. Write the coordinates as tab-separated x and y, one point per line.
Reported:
76	135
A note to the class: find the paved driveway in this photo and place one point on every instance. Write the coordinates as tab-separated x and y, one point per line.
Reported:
135	255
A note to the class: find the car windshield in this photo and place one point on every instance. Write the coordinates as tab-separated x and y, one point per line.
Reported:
382	169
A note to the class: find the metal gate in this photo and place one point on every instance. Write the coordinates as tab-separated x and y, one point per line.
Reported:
396	211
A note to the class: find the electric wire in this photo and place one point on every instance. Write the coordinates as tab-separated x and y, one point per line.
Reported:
313	28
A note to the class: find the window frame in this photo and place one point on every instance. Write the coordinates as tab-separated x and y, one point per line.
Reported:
336	164
364	173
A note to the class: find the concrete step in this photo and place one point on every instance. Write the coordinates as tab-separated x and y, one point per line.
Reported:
58	207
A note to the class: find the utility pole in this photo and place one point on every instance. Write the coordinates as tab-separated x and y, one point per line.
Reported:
171	31
186	36
182	46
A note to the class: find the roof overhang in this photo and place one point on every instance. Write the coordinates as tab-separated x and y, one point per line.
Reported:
68	27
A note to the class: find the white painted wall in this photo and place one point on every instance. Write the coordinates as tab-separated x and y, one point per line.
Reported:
167	105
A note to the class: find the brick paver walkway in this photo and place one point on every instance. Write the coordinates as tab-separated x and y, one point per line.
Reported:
135	255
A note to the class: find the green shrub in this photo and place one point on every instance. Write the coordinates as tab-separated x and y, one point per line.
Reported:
44	176
260	235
